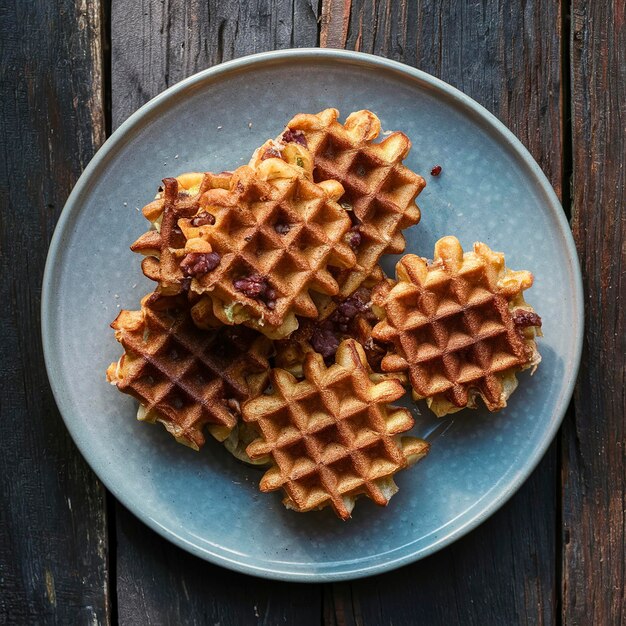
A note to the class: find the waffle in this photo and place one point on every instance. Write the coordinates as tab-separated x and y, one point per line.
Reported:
459	326
332	436
165	246
183	377
275	235
380	191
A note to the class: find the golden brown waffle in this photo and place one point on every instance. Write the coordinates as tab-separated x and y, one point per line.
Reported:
380	191
275	234
332	436
459	325
184	377
165	246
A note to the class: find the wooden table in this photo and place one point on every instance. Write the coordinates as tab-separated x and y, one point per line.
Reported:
73	70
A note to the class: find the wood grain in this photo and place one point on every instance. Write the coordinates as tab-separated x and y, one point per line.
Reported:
594	443
157	44
153	46
53	541
505	571
159	583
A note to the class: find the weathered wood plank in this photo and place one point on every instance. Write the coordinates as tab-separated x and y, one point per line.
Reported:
159	583
53	547
594	443
153	46
334	23
505	571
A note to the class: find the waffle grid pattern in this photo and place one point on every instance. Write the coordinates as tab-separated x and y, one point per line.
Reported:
331	436
246	237
380	190
183	374
451	325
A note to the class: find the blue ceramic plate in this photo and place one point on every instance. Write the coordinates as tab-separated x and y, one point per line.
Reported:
490	190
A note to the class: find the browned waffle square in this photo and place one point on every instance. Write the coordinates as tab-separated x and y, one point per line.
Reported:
459	325
184	377
380	191
332	436
275	234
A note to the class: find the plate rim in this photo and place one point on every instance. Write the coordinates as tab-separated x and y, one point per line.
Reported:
553	205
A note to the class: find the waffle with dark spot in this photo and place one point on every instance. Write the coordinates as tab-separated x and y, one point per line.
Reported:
459	326
339	319
187	378
332	436
380	191
165	246
276	233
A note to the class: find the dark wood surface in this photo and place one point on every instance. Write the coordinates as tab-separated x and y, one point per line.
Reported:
594	442
72	71
53	535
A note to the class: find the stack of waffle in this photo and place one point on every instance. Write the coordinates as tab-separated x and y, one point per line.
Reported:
273	328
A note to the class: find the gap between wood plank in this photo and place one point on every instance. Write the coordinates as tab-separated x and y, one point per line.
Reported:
566	201
110	501
566	109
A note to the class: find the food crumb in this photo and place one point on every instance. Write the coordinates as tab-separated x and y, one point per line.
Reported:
176	156
125	203
249	124
219	128
436	170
